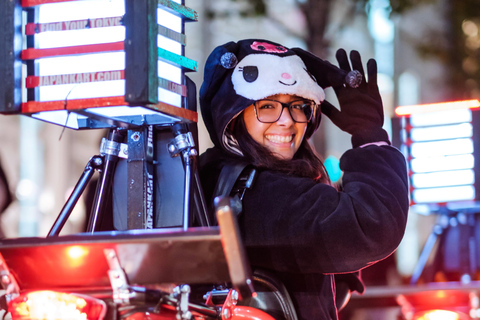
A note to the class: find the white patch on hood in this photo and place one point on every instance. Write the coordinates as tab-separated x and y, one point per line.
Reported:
266	78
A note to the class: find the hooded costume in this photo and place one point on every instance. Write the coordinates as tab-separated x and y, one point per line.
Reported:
238	74
298	229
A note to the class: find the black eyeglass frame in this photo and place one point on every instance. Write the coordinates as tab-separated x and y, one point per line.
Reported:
286	105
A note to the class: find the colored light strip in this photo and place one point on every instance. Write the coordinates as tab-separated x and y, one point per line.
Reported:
172	35
80	104
33	28
455	131
74	104
442	163
179	10
174	111
443	179
433	107
31	53
31	3
441	118
443	194
441	148
179	60
60	79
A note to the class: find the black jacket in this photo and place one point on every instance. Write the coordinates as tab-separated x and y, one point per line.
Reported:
305	231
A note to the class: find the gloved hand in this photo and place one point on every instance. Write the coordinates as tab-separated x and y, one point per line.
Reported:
361	109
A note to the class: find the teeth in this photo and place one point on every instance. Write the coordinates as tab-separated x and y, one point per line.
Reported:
279	139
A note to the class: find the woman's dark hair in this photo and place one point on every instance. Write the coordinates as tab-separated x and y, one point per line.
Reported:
305	163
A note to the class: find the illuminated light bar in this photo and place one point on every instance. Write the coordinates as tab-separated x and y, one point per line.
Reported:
179	10
179	60
440	118
456	131
33	28
442	163
443	179
445	194
31	3
61	79
74	104
442	148
31	53
442	106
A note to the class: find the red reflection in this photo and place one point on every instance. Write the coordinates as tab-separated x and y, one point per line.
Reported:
76	255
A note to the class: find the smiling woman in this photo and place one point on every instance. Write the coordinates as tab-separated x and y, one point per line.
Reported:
261	103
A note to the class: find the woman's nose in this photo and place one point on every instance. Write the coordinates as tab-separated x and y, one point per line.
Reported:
285	118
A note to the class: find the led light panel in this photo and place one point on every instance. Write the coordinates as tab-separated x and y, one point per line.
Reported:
76	53
439	142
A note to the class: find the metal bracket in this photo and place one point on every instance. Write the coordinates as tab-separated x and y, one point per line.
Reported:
180	143
113	148
10	285
118	279
229	305
182	294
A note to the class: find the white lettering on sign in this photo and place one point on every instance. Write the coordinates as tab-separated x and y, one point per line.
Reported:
80	78
80	24
75	25
106	22
56	26
149	201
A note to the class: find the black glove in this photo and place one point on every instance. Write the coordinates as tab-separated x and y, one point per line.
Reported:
361	109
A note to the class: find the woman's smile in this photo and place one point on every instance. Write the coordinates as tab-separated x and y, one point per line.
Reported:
279	138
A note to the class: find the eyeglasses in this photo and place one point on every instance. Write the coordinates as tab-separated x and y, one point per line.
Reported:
269	111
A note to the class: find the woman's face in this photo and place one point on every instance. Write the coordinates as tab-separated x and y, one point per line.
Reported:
282	138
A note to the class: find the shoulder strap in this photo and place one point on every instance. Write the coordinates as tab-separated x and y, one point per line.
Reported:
227	178
233	181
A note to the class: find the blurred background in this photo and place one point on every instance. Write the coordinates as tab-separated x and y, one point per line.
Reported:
427	51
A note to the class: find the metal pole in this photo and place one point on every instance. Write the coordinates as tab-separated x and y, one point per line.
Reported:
82	183
104	185
188	177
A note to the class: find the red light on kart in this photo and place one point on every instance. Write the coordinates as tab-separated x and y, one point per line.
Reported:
438	305
76	252
76	255
439	315
50	305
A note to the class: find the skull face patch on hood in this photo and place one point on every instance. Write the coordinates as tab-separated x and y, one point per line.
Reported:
238	74
258	76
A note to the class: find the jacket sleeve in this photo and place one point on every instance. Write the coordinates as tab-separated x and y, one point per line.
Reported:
292	224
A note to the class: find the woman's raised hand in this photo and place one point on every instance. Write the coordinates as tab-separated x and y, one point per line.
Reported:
361	108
